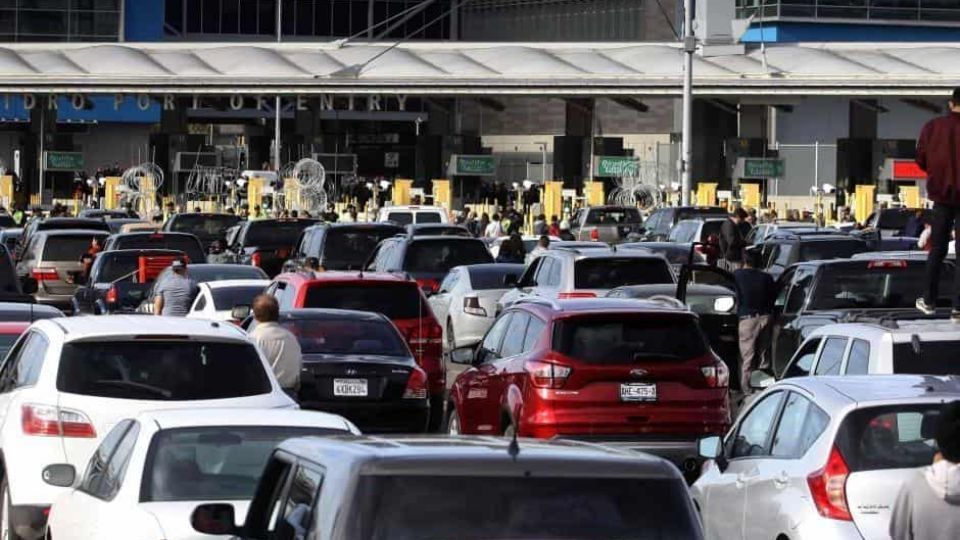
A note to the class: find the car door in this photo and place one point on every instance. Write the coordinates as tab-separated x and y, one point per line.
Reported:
786	335
475	399
503	367
831	356
548	278
295	519
725	506
440	301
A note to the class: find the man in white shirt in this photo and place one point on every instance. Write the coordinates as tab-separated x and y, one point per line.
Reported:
277	344
494	229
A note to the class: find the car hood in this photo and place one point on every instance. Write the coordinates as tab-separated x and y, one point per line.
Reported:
174	517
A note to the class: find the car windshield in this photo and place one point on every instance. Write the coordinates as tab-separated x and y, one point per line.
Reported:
439	256
542	507
611	272
873	285
349	248
67	248
623	340
482	279
217	463
204	226
929	358
147	369
275	233
613	216
346	336
890	437
224	298
395	300
822	250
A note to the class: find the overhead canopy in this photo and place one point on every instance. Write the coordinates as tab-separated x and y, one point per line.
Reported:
863	69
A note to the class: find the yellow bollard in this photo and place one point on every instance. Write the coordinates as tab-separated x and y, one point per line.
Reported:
593	191
750	195
863	202
706	194
111	195
910	196
401	191
442	195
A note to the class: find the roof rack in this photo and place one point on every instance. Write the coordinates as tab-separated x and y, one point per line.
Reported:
539	300
891	320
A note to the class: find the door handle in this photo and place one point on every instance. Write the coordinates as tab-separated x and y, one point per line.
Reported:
741	480
782	480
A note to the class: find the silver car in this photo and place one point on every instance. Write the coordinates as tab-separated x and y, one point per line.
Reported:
53	258
820	457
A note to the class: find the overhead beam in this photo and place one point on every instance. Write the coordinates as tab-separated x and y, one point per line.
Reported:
631	103
923	105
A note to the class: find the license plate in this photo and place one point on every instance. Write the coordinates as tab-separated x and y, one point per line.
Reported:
350	387
638	392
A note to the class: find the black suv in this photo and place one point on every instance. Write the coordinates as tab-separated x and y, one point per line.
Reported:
267	243
340	246
658	224
812	294
427	259
782	249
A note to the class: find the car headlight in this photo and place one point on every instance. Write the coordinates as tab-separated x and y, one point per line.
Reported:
724	304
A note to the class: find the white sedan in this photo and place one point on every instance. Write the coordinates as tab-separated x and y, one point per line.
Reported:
151	471
216	299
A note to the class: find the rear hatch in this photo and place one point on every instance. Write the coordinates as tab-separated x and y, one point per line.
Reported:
186	243
268	244
610	224
60	271
429	259
349	247
884	448
644	374
597	275
206	227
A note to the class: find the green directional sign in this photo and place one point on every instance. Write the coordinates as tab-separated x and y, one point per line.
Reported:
64	161
475	166
762	168
616	166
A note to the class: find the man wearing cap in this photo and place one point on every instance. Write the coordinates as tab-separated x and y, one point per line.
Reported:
175	295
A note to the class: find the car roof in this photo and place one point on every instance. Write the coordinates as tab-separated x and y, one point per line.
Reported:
72	232
151	233
671	288
332	314
440	237
602	305
413	208
185	418
23	308
227	283
357	225
902	330
607	254
876	389
133	326
333	276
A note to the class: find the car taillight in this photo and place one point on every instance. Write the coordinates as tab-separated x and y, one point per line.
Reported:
428	333
546	374
112	295
886	264
48	420
576	294
471	305
828	487
428	285
416	385
256	258
45	274
716	376
595	234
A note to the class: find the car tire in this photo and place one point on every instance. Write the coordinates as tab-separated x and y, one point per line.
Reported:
451	425
6	528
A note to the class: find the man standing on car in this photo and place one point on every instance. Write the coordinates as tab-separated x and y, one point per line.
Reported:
731	240
277	344
175	295
756	292
938	154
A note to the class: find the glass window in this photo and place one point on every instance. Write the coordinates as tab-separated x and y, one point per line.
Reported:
799	291
889	437
275	233
831	356
876	285
610	272
347	248
201	303
346	336
930	358
400	300
95	480
754	432
513	339
803	359
67	248
858	363
449	282
543	273
441	255
224	298
605	340
534	329
117	466
24	367
491	343
801	423
298	507
486	278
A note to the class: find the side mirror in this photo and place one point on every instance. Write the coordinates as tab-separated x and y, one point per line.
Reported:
710	447
240	312
463	356
215	519
511	280
30	285
59	475
761	380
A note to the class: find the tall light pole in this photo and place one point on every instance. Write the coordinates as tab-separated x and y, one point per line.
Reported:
276	105
686	149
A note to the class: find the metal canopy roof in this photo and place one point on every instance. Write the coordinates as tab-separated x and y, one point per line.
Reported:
921	69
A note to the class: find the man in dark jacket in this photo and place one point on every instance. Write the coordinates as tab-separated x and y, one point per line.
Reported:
731	241
938	153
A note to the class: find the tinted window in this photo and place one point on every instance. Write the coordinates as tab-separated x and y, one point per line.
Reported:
224	298
934	358
624	340
274	233
834	249
803	360
396	301
403	218
831	356
893	437
187	244
428	217
67	248
205	226
613	216
870	285
585	508
348	248
111	267
6	343
609	272
30	360
212	463
439	256
858	363
513	340
162	370
97	481
710	228
297	510
799	291
346	336
491	342
801	423
754	430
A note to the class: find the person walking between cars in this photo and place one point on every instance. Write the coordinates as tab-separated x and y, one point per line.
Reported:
731	241
938	154
175	295
278	345
756	292
928	506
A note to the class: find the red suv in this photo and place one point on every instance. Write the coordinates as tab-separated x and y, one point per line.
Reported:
397	297
635	372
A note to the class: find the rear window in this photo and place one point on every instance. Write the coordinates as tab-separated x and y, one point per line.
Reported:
178	242
162	370
623	340
710	228
428	217
67	248
821	250
403	218
613	216
348	249
341	336
892	437
225	298
492	278
111	268
204	226
870	285
585	508
608	272
933	358
220	272
396	301
274	233
441	255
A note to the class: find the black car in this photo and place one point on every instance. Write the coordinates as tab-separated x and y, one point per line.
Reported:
187	243
12	287
657	226
356	364
206	226
427	259
57	224
267	243
202	273
816	293
677	254
895	221
119	280
27	312
340	246
783	249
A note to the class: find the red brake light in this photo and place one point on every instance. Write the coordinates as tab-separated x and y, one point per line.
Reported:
828	487
416	385
430	285
256	258
112	296
547	375
45	274
595	235
717	375
569	295
47	420
887	264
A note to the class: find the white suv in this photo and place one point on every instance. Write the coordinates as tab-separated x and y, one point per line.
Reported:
67	382
413	214
884	347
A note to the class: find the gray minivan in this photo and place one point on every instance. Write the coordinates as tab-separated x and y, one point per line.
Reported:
53	258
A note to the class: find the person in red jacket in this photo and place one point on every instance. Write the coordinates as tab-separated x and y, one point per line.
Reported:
938	153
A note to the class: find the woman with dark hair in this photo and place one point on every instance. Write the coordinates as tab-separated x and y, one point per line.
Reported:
512	250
